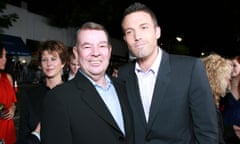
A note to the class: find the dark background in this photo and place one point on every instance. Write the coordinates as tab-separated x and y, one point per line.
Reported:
205	25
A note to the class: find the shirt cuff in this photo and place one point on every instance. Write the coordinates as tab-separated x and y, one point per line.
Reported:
37	135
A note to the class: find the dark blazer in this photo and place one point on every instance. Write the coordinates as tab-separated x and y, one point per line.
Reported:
229	105
74	113
182	109
30	110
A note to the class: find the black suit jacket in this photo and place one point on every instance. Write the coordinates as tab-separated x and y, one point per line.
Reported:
30	110
182	109
74	113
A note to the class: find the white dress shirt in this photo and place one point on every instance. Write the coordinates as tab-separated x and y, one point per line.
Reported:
146	82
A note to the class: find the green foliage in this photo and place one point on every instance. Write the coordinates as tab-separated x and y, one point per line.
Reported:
6	20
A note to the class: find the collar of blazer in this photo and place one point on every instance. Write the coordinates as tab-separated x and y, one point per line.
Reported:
162	81
92	99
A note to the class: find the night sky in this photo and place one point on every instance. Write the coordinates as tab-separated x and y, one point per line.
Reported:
203	24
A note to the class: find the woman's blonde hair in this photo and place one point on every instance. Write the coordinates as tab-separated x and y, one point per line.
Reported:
218	69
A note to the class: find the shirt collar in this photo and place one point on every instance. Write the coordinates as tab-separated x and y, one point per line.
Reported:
108	81
155	66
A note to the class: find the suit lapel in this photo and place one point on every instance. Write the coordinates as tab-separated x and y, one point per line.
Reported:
90	95
134	94
161	85
122	96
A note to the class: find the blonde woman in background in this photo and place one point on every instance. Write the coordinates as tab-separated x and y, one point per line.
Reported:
219	71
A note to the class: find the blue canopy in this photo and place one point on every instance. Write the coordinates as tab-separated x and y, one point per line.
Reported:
14	45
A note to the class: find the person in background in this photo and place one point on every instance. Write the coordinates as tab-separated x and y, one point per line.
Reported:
93	107
73	65
231	106
219	72
7	102
170	95
52	57
115	72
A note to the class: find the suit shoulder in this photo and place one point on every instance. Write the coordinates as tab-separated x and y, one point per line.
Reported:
127	65
126	69
117	81
183	59
66	86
